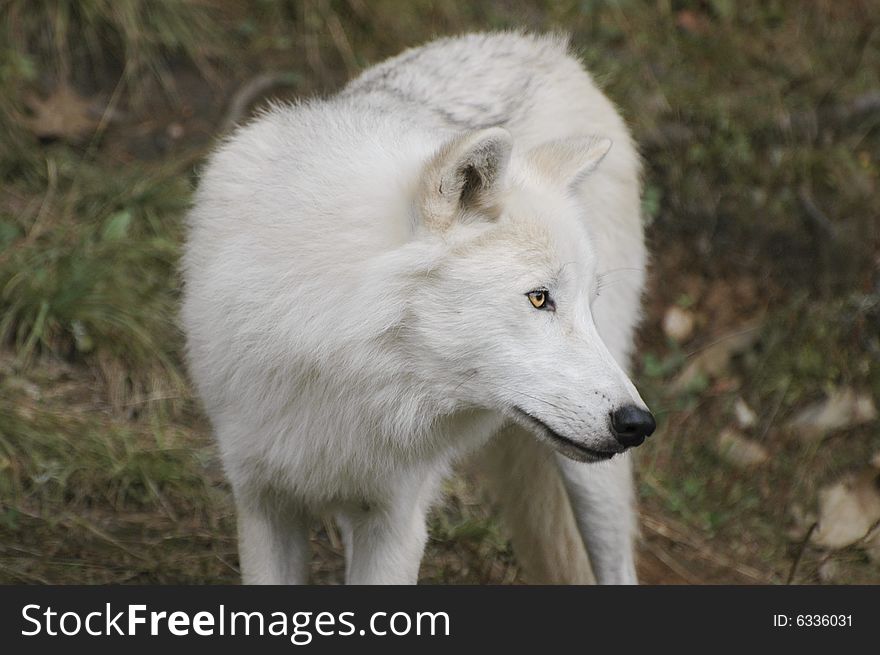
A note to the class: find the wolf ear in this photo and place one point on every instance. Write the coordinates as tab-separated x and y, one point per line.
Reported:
569	162
466	175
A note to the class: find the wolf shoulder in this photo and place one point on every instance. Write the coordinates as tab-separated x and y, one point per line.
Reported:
534	85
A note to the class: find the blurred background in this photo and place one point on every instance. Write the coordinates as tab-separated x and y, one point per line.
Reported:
759	123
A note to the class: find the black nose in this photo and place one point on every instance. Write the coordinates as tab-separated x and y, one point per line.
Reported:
632	425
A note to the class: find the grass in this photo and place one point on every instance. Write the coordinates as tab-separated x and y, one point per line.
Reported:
760	192
87	497
99	282
90	38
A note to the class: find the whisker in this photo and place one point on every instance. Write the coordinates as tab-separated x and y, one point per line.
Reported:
540	400
604	284
620	270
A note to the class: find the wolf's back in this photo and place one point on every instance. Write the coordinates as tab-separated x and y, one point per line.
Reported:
529	84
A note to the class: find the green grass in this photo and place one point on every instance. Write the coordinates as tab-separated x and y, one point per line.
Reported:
762	201
131	37
86	497
93	278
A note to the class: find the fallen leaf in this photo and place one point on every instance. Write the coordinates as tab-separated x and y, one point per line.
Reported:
745	415
828	571
692	22
872	545
64	114
848	509
740	451
678	324
843	408
714	360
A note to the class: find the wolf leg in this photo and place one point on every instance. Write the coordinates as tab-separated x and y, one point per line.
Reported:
521	476
273	543
384	542
601	497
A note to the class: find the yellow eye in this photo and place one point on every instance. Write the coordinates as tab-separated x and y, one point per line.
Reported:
538	298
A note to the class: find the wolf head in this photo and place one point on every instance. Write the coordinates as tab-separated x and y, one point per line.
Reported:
503	320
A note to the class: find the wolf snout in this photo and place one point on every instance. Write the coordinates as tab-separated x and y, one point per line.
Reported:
631	425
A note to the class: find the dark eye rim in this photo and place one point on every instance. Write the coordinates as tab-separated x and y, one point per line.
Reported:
549	305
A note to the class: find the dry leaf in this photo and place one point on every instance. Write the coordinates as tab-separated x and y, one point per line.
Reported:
740	451
842	409
828	571
714	360
693	22
678	324
848	509
63	115
872	545
745	415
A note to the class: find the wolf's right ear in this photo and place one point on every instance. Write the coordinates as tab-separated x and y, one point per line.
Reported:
465	177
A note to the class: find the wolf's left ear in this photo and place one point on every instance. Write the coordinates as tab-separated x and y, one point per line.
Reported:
568	162
465	177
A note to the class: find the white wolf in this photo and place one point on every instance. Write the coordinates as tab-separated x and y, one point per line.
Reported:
382	281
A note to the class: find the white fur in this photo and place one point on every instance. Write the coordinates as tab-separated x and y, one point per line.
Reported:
355	308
